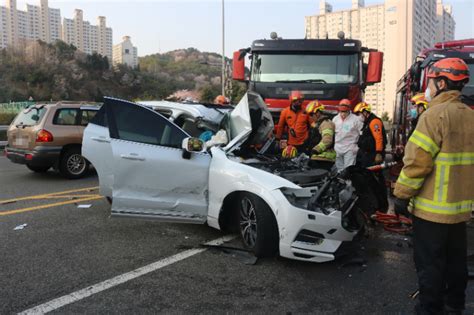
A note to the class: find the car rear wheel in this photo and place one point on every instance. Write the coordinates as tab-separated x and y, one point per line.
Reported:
258	226
72	164
38	169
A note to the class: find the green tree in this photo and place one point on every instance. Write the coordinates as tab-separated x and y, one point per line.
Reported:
208	93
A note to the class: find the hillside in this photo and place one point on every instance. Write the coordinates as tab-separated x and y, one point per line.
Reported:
60	72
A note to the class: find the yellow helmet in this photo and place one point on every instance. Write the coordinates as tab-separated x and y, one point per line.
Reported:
361	107
313	107
419	100
289	152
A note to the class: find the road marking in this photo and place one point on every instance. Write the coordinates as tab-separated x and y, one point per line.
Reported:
110	283
70	196
46	195
49	205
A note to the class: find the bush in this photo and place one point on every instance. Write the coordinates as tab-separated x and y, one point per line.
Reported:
6	118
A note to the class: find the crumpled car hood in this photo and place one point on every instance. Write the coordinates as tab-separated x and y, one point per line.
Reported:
249	123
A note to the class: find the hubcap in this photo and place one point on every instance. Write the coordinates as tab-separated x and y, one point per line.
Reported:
248	222
76	164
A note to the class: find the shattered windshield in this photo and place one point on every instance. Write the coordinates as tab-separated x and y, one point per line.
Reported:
321	68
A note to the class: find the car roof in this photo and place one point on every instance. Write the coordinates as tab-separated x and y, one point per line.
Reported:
207	111
73	104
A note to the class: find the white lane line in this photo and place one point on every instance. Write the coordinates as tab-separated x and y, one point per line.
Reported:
107	284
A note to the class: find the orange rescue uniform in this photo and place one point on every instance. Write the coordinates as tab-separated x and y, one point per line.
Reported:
299	122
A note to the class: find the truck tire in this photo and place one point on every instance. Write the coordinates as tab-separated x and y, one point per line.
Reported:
258	227
72	164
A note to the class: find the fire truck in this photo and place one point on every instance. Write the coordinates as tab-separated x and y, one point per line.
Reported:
414	81
326	70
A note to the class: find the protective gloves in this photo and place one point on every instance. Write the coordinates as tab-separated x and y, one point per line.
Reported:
378	158
401	207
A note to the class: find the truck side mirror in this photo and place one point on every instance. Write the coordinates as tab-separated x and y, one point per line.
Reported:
374	69
238	66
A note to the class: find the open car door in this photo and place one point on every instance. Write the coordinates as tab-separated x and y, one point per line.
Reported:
151	178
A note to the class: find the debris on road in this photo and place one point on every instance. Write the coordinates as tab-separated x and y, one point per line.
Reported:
84	206
20	227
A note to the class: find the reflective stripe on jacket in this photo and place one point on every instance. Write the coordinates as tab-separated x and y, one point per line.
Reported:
326	144
299	122
439	162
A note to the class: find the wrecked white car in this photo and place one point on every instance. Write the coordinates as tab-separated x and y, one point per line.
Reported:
151	165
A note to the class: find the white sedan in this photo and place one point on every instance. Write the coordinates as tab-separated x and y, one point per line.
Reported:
149	166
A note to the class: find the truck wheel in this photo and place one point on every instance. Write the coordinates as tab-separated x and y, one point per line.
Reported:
38	169
72	164
258	226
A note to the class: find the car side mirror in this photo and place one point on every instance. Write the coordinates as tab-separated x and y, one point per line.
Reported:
190	145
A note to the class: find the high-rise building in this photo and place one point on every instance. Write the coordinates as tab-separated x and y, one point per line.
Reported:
125	53
36	23
86	37
401	29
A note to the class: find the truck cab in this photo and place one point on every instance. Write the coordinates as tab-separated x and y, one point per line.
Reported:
326	70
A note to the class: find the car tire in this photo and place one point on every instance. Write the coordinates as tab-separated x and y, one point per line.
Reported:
38	169
258	227
72	164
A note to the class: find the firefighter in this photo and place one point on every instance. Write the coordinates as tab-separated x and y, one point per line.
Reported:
373	139
348	128
221	100
437	176
321	135
295	120
420	104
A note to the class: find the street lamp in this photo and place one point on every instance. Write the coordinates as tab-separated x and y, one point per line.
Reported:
223	51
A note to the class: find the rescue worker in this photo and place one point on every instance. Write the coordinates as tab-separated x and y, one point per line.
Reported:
373	139
420	104
437	176
321	135
295	120
221	100
348	128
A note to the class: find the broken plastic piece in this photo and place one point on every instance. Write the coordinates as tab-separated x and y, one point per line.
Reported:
20	227
84	206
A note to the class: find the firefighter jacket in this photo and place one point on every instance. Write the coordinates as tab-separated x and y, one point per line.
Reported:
439	162
347	133
297	124
324	149
373	138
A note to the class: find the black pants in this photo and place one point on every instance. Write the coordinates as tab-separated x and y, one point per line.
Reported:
440	252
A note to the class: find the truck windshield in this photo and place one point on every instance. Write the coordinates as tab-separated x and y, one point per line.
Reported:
321	68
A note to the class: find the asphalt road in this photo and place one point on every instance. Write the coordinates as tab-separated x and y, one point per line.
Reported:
64	249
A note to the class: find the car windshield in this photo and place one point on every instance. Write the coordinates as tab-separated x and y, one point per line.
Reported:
321	68
30	116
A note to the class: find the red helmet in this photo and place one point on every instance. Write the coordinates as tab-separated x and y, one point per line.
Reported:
453	69
296	96
344	105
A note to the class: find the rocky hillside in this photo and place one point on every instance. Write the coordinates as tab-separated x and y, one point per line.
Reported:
60	72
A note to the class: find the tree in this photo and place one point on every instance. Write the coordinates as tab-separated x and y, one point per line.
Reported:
208	93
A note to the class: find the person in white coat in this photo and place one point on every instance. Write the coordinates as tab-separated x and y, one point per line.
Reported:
348	127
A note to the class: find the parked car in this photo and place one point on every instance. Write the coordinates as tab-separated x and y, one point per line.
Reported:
149	166
50	135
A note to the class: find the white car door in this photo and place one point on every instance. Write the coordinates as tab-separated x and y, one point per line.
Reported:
152	179
96	148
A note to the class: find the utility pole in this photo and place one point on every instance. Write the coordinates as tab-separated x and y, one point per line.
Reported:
223	51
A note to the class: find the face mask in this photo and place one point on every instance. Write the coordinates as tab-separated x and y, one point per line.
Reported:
428	94
413	113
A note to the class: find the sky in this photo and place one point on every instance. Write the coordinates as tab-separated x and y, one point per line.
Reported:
164	25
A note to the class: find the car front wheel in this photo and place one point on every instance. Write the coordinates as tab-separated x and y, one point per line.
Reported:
258	226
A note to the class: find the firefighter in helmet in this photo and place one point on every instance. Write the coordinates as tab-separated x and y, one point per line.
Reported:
437	174
221	100
420	105
295	121
373	138
321	134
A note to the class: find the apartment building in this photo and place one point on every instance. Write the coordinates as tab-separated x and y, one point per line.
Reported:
125	53
401	29
87	37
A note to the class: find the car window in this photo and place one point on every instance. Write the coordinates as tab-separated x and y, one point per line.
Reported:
30	116
65	116
100	118
138	124
86	116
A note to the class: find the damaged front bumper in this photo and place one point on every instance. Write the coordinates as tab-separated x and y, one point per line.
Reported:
310	235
